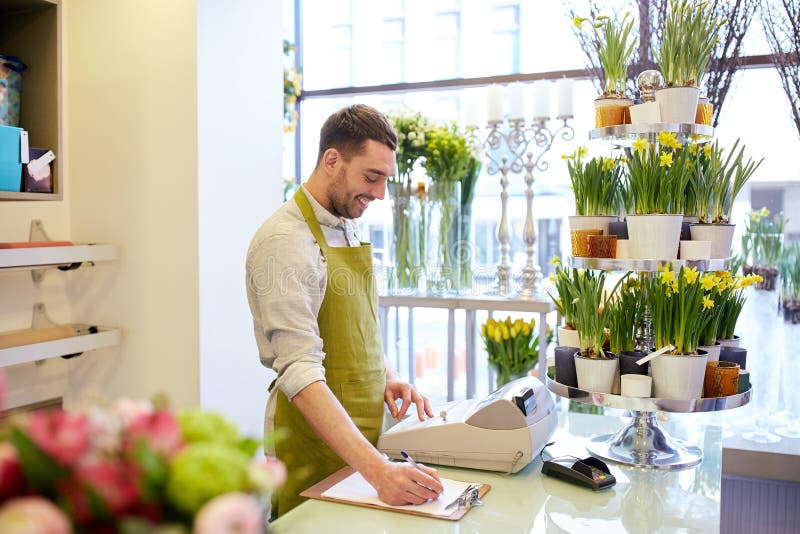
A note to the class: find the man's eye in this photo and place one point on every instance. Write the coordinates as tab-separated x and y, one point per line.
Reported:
370	180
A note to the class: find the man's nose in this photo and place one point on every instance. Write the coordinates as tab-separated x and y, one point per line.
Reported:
379	190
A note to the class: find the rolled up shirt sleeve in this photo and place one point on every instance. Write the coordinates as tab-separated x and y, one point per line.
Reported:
286	283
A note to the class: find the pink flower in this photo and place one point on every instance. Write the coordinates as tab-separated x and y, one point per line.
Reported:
33	515
109	484
113	482
11	481
266	474
160	430
231	513
130	409
63	436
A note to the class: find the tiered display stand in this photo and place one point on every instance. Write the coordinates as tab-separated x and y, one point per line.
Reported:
642	442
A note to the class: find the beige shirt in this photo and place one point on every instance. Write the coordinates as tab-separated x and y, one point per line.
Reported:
286	280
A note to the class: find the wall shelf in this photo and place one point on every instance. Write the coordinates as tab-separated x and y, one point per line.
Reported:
20	259
105	337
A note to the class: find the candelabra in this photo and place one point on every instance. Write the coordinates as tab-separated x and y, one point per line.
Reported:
513	150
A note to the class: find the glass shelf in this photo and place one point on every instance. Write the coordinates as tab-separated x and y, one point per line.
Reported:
625	134
642	442
619	264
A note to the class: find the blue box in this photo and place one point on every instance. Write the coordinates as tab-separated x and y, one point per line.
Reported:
10	162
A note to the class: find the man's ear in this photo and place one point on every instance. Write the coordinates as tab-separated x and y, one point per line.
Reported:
330	159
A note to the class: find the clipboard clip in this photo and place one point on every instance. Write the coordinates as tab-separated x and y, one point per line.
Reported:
469	497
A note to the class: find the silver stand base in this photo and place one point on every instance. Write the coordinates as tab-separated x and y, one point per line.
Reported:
643	444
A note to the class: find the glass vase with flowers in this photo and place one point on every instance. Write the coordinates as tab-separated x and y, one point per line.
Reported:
448	160
411	128
512	347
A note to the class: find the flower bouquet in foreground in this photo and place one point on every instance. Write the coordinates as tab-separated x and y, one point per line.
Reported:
512	346
133	466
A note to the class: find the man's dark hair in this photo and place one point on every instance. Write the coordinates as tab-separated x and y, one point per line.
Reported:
348	130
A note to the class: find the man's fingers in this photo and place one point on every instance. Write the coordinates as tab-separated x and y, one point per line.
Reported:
428	479
406	402
389	398
433	473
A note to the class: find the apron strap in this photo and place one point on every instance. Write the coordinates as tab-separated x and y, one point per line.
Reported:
308	215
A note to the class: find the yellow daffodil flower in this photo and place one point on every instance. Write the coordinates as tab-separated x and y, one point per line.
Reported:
675	287
707	302
690	275
764	212
581	152
577	21
555	260
667	139
609	164
665	160
623	160
667	277
707	282
693	148
564	156
707	150
640	145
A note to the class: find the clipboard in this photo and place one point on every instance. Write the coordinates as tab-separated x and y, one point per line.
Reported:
316	491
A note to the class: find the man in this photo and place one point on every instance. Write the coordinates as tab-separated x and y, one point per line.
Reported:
314	305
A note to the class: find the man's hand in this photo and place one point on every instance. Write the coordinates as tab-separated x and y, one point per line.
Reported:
397	388
401	483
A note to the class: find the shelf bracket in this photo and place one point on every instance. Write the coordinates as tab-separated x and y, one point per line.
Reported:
38	234
40	319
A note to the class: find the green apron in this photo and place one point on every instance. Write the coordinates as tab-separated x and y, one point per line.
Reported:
354	365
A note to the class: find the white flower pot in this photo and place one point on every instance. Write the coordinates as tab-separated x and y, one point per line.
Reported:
623	249
712	350
646	113
695	250
678	376
720	235
678	104
596	375
735	341
568	338
654	237
591	222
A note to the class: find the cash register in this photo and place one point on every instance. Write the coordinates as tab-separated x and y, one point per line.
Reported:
503	431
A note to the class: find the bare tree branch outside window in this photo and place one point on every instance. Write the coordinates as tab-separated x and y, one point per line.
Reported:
725	59
782	27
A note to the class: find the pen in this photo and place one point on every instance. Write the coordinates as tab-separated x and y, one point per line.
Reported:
410	460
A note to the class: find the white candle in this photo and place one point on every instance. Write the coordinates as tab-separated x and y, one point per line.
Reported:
564	98
471	108
516	108
495	107
541	99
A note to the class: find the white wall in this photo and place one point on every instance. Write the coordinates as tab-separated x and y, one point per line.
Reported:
131	146
239	134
